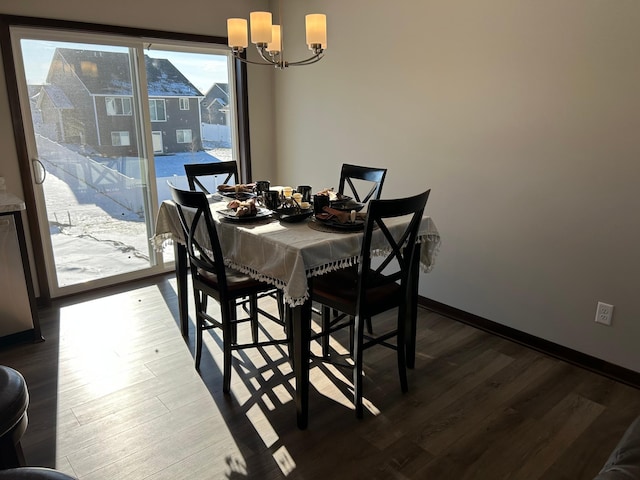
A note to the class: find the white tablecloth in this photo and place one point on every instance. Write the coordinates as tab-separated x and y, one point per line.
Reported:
286	254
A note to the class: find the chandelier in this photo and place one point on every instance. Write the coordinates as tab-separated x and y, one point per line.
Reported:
268	38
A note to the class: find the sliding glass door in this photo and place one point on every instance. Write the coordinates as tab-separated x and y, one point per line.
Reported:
108	122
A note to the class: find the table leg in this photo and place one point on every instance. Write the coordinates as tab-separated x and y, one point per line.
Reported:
301	334
180	252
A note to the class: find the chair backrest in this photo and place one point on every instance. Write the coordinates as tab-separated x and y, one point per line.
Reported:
195	172
398	253
201	237
374	177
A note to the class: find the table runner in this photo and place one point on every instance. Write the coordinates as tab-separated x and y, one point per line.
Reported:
286	254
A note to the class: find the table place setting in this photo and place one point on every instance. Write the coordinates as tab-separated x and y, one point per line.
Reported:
325	211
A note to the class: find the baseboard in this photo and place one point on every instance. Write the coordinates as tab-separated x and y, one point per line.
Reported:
615	372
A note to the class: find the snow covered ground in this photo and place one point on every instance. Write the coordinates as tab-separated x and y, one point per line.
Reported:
94	236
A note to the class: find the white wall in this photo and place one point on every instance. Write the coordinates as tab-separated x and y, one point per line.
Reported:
524	120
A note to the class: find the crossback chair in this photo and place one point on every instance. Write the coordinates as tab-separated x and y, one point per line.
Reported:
196	171
370	176
364	291
212	279
196	174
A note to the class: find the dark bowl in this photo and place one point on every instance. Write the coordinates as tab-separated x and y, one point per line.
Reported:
293	215
347	205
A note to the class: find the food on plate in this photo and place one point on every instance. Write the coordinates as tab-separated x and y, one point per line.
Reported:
333	196
240	188
245	208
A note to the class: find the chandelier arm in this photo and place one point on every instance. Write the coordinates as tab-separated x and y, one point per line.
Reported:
244	60
308	61
268	58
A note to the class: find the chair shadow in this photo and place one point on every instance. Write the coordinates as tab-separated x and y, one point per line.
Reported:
272	390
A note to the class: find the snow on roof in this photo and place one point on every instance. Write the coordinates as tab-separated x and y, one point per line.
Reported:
57	96
108	73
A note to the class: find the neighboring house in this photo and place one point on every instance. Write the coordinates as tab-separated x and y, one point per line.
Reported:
214	106
89	99
51	108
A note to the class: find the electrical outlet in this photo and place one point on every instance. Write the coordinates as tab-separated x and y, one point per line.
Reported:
604	312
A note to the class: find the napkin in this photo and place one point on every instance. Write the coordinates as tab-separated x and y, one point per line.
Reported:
341	216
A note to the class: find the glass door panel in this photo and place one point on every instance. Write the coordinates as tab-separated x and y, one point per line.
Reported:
194	125
86	127
111	123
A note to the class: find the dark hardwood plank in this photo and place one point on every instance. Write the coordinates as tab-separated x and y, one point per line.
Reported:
114	395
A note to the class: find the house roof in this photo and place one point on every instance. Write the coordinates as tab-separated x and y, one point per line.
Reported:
57	96
107	73
218	91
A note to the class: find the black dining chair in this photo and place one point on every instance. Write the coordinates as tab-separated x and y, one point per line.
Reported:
212	279
366	290
366	177
197	172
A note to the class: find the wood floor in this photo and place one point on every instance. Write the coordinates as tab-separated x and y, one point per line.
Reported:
114	395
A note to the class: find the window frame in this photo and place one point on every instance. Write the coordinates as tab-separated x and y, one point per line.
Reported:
184	130
115	100
184	103
120	134
153	111
24	162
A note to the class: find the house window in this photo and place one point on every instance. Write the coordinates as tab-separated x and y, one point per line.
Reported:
184	103
184	136
120	139
118	105
158	110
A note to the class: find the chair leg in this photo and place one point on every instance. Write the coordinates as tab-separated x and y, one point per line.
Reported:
253	312
198	344
232	316
401	350
228	329
288	327
352	336
357	369
200	307
326	324
369	326
410	335
281	304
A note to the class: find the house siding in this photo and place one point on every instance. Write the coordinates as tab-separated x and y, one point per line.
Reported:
115	123
178	120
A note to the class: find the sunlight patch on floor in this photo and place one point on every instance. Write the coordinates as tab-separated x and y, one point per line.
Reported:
117	398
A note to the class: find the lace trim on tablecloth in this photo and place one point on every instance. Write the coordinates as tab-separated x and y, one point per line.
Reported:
161	241
294	302
333	266
433	247
432	240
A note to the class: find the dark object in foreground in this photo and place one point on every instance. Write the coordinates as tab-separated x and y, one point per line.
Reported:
624	461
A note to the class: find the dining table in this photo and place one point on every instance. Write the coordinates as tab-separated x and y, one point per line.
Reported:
287	255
